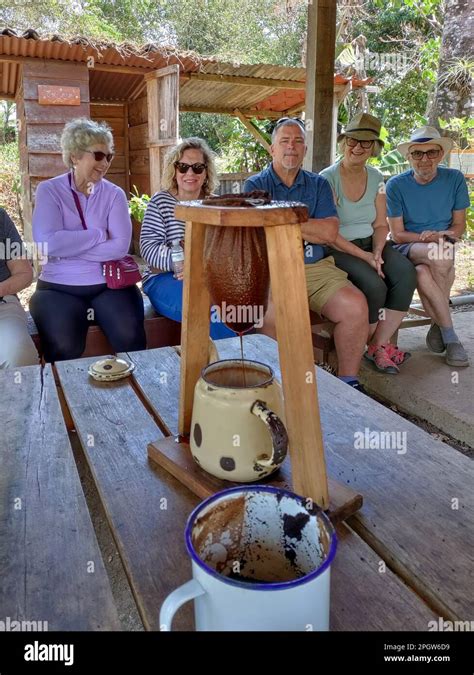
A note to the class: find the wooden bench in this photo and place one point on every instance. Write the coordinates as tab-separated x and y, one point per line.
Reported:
52	568
160	332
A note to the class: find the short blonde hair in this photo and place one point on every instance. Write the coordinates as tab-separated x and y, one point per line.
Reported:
375	152
79	134
174	155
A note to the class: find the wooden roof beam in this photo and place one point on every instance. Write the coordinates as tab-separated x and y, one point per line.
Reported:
253	130
247	112
244	81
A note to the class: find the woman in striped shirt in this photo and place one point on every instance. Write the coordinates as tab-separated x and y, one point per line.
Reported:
189	173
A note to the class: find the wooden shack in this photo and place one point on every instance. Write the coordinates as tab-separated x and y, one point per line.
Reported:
139	92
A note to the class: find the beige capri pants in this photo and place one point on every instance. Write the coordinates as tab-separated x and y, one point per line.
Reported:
16	346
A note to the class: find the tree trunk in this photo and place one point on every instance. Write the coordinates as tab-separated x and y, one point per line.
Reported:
454	95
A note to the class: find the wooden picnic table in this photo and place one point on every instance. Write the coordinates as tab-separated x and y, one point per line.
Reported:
405	559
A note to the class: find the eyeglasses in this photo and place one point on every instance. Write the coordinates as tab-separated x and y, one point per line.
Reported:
353	142
99	156
298	121
184	168
431	154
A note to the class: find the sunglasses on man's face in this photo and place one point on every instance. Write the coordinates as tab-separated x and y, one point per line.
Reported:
197	167
431	154
99	156
352	142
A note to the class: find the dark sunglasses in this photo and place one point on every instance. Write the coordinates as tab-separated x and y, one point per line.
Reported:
184	168
298	121
99	156
431	154
352	143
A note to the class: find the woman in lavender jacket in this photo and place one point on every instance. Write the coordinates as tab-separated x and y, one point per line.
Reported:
71	293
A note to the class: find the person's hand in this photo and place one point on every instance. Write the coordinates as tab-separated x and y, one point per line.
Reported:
429	236
375	263
379	260
179	276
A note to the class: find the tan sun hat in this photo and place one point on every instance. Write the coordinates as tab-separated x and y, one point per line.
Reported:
363	127
426	135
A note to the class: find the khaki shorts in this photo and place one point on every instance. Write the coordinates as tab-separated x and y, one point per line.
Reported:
323	279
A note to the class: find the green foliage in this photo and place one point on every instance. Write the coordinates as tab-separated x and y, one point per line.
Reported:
137	205
10	182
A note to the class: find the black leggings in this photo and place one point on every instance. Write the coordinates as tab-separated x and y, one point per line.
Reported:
63	315
393	292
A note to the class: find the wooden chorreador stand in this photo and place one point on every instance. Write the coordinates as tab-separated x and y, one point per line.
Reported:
288	285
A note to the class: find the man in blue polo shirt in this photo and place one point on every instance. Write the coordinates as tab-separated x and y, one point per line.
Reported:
426	208
329	291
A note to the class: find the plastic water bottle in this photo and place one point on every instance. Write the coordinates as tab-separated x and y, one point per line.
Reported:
177	257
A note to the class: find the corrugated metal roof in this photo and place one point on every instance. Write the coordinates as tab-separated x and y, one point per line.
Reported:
113	86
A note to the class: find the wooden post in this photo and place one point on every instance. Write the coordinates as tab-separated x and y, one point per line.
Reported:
163	106
288	283
195	325
321	45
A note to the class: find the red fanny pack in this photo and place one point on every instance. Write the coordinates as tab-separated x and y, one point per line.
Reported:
118	273
121	273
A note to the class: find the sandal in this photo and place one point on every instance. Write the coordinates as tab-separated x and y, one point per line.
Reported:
379	357
396	355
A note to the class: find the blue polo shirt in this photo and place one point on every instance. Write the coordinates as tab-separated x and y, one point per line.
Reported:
429	206
309	188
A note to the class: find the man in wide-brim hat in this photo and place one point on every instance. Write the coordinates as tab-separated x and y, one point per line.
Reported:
426	208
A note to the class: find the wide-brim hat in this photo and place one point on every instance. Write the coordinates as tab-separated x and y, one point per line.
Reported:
426	135
363	127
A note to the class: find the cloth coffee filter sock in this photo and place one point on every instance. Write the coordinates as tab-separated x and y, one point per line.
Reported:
237	273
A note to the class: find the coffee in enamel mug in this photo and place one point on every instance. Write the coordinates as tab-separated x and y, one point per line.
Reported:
260	560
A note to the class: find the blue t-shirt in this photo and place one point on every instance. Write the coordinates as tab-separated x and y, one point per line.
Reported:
309	188
429	206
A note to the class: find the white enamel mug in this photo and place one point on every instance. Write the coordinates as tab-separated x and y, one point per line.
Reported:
261	561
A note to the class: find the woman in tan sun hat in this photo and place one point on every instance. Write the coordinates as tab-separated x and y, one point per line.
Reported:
386	278
426	208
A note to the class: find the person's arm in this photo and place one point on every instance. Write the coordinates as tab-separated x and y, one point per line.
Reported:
379	238
119	229
152	239
48	228
21	277
321	230
458	225
323	227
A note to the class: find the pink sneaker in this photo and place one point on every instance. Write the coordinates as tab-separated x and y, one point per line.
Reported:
396	355
379	357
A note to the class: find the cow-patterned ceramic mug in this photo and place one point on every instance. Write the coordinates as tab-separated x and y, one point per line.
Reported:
237	432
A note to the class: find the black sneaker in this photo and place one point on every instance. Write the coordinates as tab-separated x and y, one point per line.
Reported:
355	384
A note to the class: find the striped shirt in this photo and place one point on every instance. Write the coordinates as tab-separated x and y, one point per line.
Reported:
159	229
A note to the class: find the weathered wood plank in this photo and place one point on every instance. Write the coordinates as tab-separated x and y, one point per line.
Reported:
118	179
147	509
138	111
366	596
46	165
140	162
44	137
39	68
138	137
410	513
54	114
102	112
51	565
141	182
